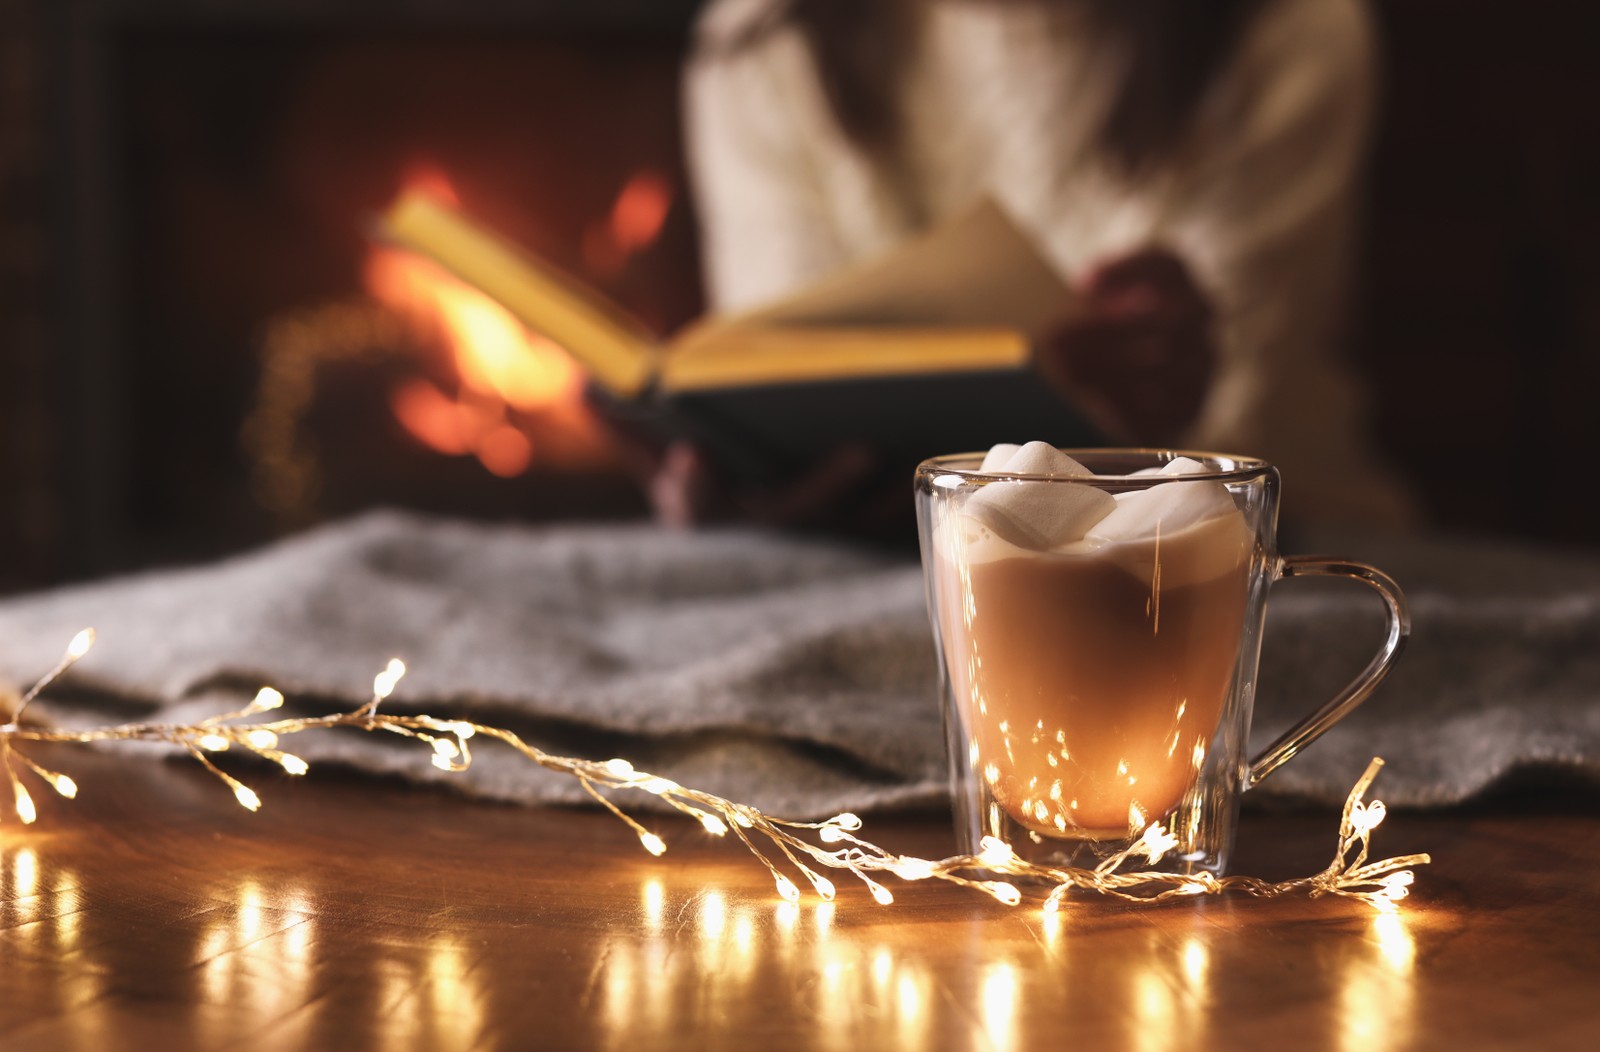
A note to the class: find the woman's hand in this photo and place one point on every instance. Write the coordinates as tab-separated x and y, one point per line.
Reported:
1138	361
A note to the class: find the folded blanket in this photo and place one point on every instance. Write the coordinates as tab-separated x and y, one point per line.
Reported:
793	674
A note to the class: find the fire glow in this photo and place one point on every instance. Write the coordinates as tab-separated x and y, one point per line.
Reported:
517	398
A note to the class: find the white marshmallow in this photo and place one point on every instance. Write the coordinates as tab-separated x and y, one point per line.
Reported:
1182	466
997	456
1040	458
1167	508
1175	466
1037	515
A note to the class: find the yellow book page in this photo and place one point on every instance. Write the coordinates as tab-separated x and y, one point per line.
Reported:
741	357
977	268
614	348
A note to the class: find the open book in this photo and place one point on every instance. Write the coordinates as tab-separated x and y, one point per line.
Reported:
925	350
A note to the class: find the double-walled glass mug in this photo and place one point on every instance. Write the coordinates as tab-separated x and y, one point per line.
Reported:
1098	647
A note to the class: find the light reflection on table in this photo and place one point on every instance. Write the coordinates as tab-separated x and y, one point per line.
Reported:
1375	990
386	927
707	959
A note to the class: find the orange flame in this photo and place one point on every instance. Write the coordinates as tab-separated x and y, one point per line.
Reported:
640	210
428	178
520	396
634	222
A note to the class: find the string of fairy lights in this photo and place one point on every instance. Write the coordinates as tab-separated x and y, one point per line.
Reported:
787	849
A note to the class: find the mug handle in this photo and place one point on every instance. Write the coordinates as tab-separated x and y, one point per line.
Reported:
1398	624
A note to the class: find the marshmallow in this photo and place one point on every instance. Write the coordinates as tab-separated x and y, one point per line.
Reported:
1175	466
1037	515
1038	458
1166	508
1182	466
997	456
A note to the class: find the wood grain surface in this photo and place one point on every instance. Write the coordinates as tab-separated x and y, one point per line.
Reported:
154	913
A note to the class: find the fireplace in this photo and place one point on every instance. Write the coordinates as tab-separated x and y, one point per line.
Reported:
226	162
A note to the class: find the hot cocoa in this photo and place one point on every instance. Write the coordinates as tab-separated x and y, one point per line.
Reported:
1090	676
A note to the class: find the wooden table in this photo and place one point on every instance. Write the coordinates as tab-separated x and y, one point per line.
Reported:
155	913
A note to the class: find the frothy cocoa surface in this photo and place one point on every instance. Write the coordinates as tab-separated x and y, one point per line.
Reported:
1090	679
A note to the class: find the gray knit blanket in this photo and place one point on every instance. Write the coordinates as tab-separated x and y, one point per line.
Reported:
793	674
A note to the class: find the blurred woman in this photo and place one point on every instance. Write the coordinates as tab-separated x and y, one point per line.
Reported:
1191	168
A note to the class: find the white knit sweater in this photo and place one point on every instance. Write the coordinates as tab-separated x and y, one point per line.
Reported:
1003	99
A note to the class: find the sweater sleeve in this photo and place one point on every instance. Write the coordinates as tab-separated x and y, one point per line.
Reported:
764	221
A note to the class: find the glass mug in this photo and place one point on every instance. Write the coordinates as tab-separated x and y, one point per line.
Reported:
1100	685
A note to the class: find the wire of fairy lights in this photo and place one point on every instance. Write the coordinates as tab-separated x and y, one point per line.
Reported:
783	847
